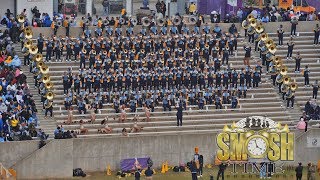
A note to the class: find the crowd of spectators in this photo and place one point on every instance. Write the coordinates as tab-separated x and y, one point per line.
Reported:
312	110
18	119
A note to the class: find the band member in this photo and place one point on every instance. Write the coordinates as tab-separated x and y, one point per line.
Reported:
306	73
247	56
49	45
298	62
290	48
316	35
66	24
48	108
290	98
294	23
196	159
40	43
222	168
179	115
280	35
315	88
106	129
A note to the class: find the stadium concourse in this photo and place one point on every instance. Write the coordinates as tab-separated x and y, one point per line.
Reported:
263	100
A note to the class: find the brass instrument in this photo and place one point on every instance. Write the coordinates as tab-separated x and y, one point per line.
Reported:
48	85
121	21
269	42
28	35
193	20
259	29
176	21
272	49
146	21
217	48
253	22
125	51
45	78
40	64
264	36
284	87
38	57
28	43
286	79
245	24
279	78
251	30
289	94
227	47
84	51
48	105
134	21
142	51
294	86
21	18
161	22
27	29
44	69
25	51
250	17
33	49
284	71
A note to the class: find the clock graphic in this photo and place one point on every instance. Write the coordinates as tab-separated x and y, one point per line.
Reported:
257	146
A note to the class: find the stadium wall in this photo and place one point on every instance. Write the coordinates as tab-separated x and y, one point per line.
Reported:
271	27
59	157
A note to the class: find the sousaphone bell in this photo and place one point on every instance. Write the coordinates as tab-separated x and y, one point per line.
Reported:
44	69
49	95
33	49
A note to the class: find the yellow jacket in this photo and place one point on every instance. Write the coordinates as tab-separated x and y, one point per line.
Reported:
192	8
14	122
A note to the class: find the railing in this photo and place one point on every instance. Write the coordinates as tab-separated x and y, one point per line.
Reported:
6	174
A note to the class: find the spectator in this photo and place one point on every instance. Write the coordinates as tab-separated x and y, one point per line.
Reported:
315	88
192	8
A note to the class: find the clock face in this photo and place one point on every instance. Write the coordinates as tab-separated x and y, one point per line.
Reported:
257	146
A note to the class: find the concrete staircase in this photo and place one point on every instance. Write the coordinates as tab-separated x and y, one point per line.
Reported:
263	100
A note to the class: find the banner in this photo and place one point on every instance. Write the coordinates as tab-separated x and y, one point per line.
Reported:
232	2
313	142
133	164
